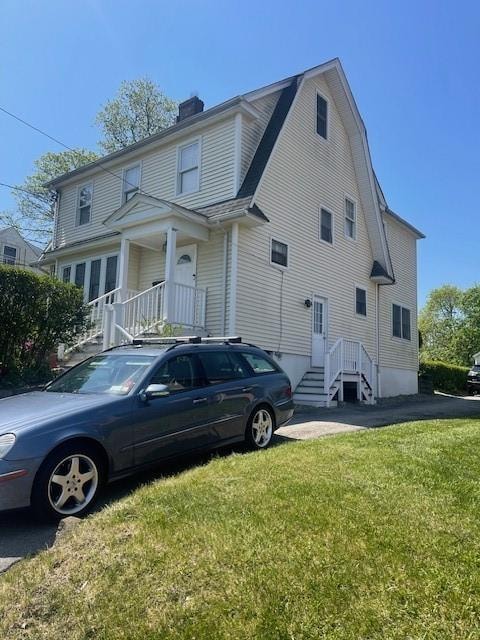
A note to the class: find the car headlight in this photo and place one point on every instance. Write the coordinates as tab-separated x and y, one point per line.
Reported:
6	443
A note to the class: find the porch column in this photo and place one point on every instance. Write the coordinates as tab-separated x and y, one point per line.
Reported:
232	321
123	268
170	260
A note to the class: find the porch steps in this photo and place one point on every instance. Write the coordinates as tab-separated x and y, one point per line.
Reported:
310	392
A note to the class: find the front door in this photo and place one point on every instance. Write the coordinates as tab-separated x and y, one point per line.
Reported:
186	265
319	331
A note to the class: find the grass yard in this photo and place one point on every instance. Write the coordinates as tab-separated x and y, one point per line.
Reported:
367	535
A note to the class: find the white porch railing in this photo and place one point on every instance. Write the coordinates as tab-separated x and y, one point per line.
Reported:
95	318
348	357
188	306
144	311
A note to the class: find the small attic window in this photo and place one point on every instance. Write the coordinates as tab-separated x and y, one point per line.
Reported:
322	113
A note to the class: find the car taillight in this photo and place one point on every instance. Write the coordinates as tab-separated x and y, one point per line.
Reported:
288	391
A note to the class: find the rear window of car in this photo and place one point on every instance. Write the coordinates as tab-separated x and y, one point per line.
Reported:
259	363
221	366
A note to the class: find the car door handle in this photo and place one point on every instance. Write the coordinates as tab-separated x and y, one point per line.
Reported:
199	400
247	389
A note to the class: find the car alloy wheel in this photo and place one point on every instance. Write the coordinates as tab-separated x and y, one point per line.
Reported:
73	484
262	428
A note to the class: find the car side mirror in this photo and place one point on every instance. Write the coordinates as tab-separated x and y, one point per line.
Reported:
154	391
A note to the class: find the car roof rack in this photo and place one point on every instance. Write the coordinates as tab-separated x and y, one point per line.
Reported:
176	341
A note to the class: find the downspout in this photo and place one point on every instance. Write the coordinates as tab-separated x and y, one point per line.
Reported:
377	322
224	283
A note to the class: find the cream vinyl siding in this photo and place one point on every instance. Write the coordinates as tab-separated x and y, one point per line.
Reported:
253	130
25	255
158	178
396	352
306	172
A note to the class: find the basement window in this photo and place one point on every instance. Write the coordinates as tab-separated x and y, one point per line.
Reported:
322	111
401	321
279	253
360	302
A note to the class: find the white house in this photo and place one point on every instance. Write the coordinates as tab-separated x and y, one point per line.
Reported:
16	251
260	217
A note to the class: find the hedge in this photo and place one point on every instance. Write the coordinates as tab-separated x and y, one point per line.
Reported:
445	377
36	313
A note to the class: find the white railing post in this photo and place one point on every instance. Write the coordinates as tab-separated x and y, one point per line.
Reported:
118	318
123	267
326	374
342	365
359	368
107	326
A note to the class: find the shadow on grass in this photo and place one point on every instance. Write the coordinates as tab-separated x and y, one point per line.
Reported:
21	535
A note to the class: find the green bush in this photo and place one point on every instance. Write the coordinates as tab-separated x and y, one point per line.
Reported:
36	314
445	377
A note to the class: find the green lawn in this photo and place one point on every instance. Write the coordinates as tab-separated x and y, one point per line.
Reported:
367	535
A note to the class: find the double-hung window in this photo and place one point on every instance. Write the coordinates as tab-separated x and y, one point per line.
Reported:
360	301
188	179
326	226
322	115
131	182
350	219
9	255
84	204
279	253
401	322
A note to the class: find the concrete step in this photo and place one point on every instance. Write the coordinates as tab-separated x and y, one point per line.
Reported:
314	377
311	383
309	402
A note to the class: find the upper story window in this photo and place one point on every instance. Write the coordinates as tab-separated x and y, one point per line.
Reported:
84	204
326	226
401	322
9	255
322	115
350	219
131	182
360	301
188	179
279	253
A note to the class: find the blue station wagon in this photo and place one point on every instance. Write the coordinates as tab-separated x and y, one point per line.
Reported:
130	407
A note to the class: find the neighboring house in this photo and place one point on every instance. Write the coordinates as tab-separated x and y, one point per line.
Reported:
16	251
260	217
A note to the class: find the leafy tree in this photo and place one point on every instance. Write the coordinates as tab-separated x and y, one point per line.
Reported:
35	203
439	322
139	110
450	325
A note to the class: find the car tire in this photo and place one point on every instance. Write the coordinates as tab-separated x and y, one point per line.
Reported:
260	428
68	482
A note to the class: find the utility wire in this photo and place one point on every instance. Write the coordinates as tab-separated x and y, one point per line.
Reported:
97	163
32	193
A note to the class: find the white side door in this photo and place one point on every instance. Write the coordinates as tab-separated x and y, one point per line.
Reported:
319	331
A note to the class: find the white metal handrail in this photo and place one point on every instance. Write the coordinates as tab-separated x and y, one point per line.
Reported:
95	319
333	364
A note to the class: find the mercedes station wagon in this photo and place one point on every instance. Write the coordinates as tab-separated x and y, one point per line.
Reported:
130	407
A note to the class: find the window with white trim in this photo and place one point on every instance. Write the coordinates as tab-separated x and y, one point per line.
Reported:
131	182
188	179
350	219
9	255
360	301
322	113
84	212
326	226
401	322
66	273
279	253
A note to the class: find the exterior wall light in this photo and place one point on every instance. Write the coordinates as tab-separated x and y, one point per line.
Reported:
307	303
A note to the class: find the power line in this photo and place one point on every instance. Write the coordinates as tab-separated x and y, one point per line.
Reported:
32	193
97	163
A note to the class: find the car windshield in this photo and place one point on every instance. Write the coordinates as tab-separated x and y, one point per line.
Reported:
476	367
108	374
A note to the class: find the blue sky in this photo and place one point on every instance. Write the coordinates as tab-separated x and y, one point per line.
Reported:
413	68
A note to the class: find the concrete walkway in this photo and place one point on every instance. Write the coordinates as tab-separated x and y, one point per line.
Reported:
20	536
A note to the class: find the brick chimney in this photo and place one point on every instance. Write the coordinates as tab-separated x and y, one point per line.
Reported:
189	108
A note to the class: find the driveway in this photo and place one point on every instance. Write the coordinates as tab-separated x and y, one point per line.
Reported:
20	537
